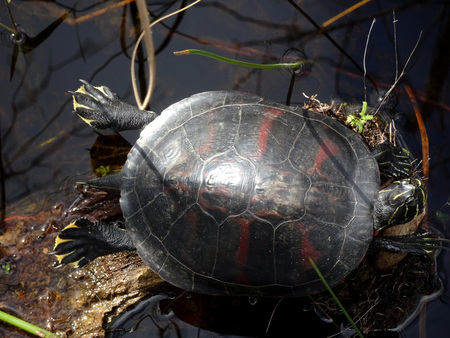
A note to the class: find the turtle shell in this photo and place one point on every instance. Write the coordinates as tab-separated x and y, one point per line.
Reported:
229	193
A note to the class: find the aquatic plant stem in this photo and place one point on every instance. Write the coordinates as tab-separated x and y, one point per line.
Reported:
33	329
293	65
13	23
143	105
322	278
148	43
7	28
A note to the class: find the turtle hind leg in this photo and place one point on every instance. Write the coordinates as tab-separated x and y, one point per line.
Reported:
101	108
82	241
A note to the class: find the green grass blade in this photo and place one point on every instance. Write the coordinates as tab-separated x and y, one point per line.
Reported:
26	326
293	65
352	323
7	28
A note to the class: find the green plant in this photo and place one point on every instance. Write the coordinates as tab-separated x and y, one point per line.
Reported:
359	121
33	329
294	65
322	278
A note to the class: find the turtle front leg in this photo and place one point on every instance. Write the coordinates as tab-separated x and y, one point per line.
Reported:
392	161
82	241
101	108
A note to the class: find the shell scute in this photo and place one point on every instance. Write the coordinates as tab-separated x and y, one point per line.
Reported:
229	193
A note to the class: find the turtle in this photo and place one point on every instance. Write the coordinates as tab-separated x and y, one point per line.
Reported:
229	193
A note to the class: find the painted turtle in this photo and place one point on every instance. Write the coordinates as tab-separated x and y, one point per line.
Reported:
229	193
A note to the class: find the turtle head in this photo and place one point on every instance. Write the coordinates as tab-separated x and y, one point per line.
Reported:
399	203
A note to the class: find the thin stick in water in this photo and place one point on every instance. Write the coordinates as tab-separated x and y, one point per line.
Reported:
364	59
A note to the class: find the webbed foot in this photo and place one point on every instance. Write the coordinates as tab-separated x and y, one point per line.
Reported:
101	108
82	241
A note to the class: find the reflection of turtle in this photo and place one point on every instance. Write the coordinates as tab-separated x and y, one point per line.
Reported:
228	193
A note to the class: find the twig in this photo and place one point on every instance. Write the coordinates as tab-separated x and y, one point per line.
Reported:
364	59
273	313
401	74
395	43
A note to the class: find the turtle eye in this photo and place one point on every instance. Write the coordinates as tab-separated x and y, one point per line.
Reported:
410	200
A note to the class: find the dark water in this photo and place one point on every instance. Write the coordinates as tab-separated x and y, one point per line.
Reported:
44	146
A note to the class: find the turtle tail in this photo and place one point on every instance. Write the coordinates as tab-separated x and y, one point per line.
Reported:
110	183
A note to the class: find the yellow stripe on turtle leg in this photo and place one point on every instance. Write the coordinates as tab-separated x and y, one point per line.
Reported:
61	257
60	240
88	121
77	105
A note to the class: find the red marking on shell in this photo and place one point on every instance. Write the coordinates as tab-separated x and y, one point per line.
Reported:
206	147
326	150
264	130
242	253
308	249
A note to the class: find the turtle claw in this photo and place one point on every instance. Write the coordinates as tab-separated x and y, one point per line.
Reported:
70	244
94	104
59	266
69	259
101	108
82	241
